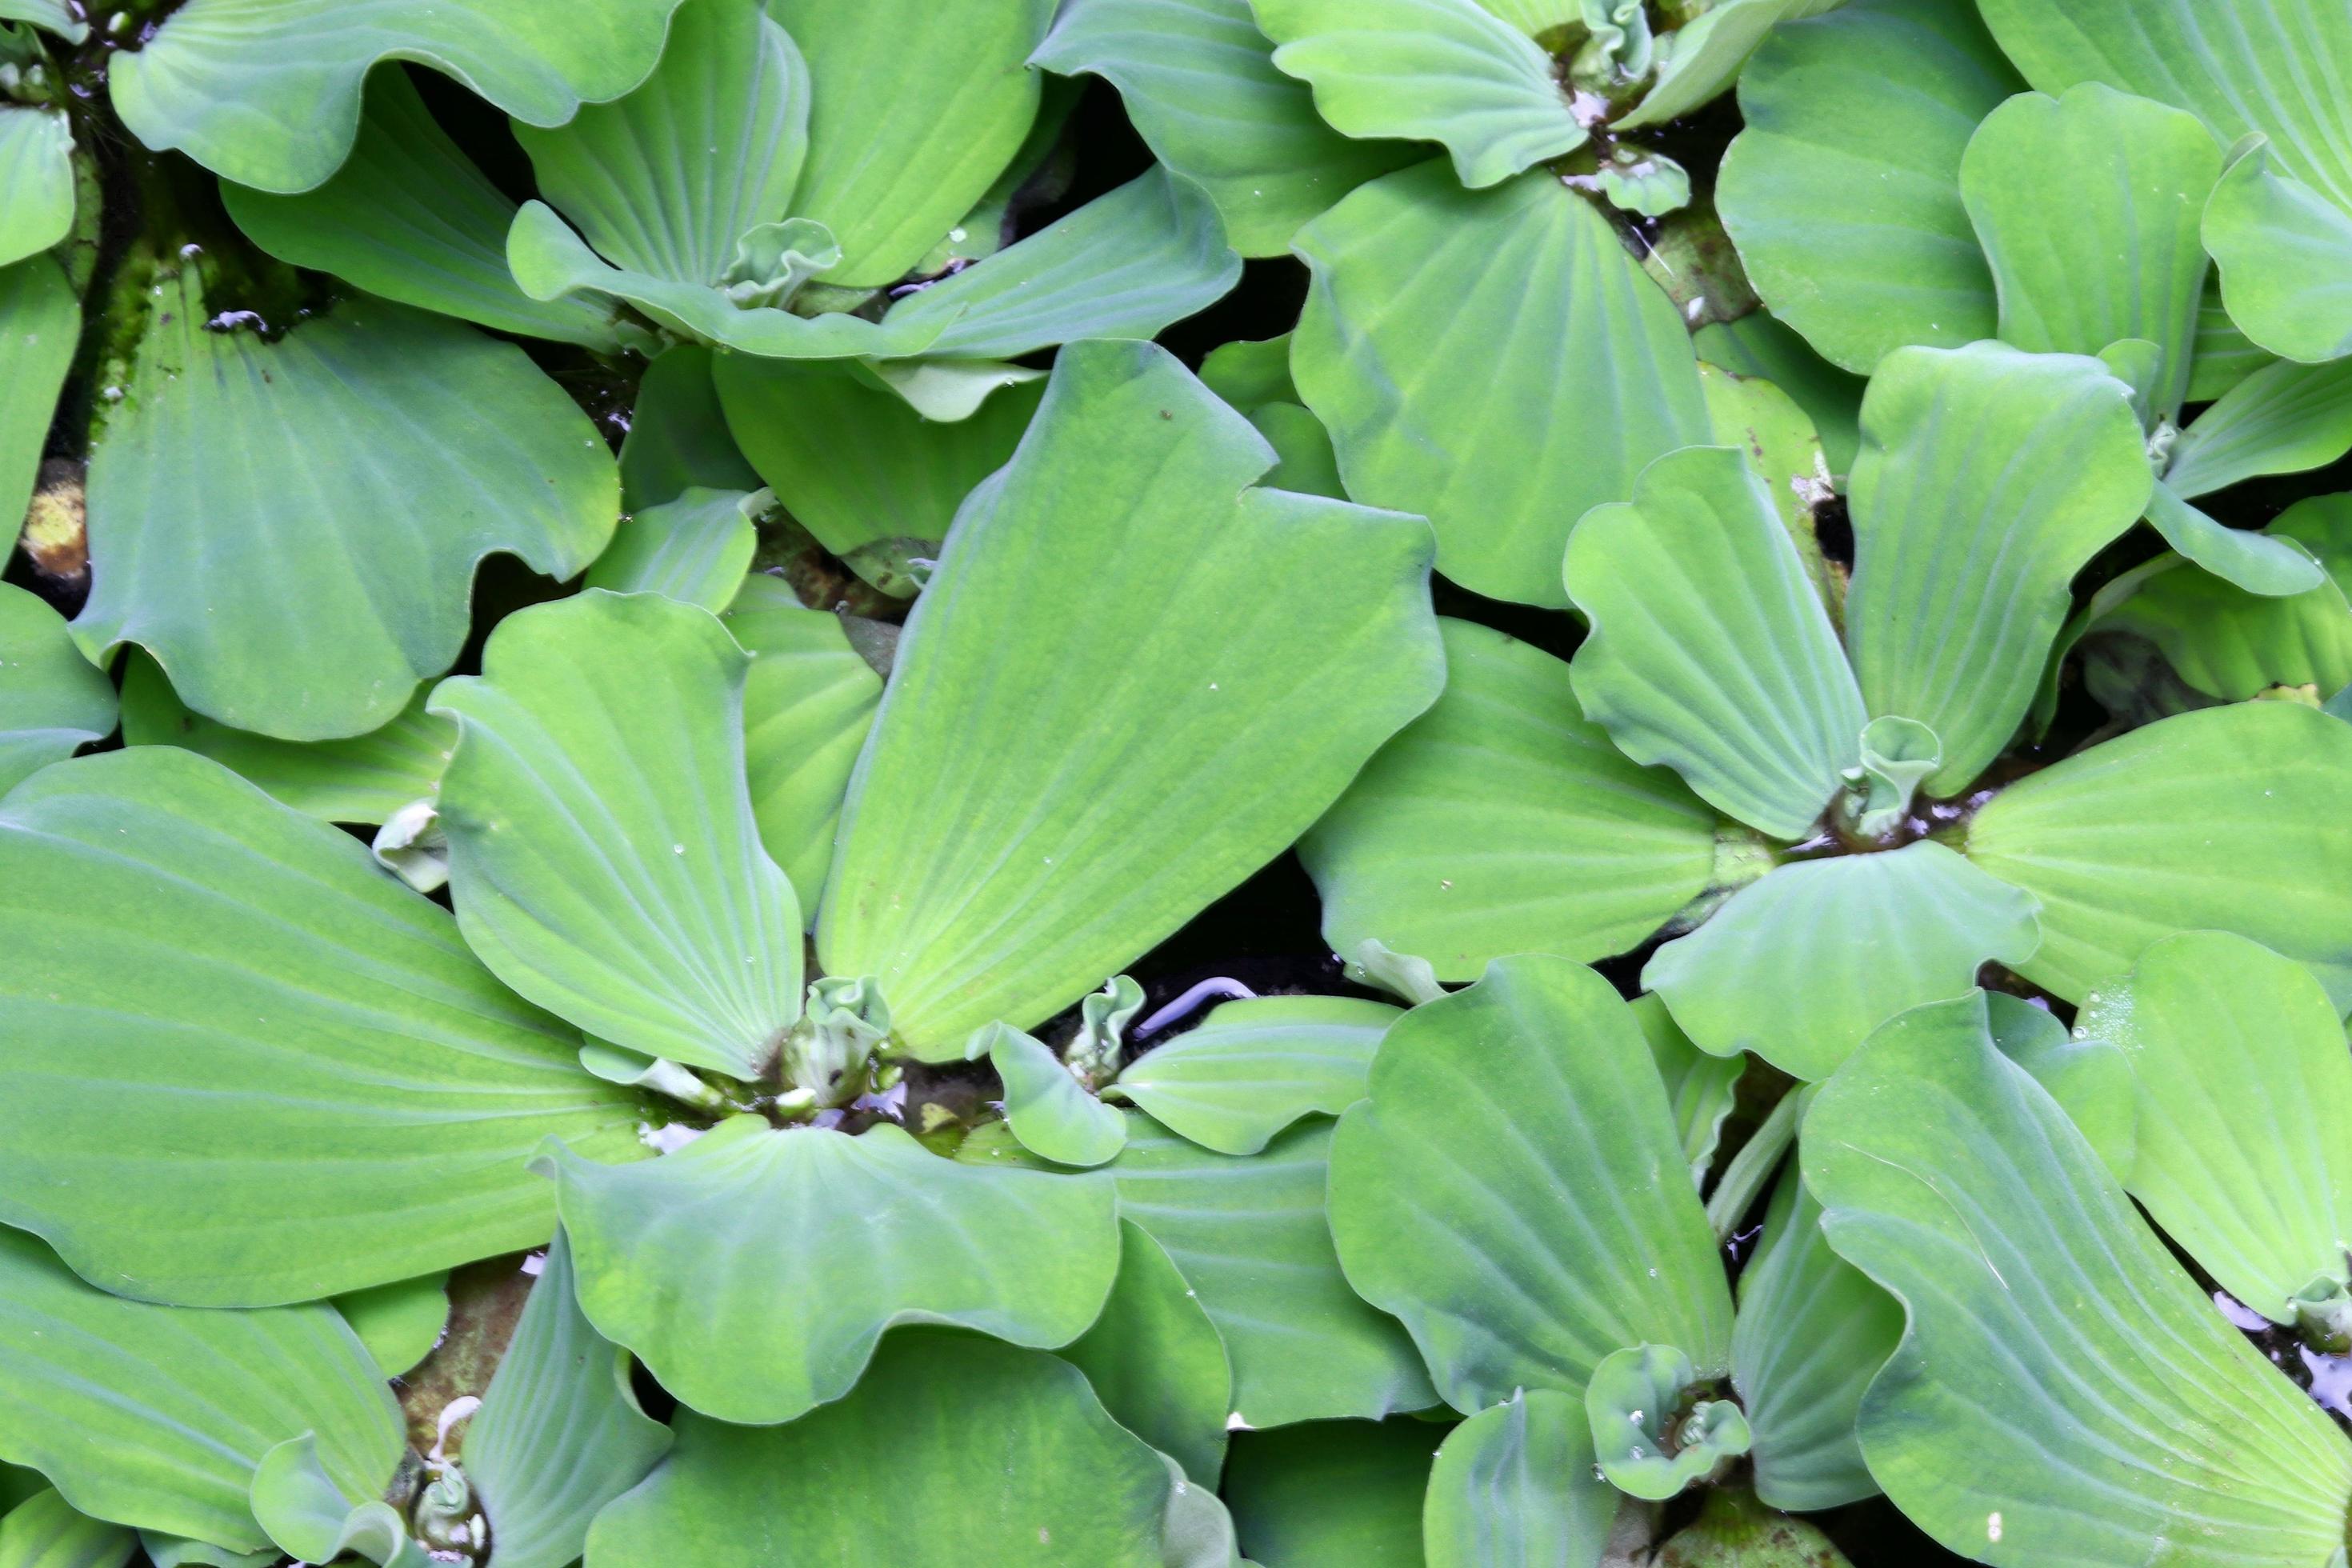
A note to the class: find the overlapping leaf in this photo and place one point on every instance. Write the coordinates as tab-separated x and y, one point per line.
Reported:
40	320
1515	1483
1254	1067
51	699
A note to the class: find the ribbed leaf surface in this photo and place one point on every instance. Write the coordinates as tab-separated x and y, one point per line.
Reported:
1254	1067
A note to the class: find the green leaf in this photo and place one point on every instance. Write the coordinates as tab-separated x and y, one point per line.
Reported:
1734	1530
2225	357
157	1416
1756	346
910	120
1636	1394
310	1514
1963	566
51	699
1584	370
1306	463
53	14
2099	839
1254	1067
1870	935
1335	1494
45	1531
855	463
1504	821
2270	564
1204	95
2243	1093
266	92
2087	208
1249	374
1779	439
1000	1455
2063	1392
37	180
809	1244
403	489
40	318
678	435
1701	1088
1250	1237
1843	191
559	1434
695	549
178	1551
1702	58
1047	1109
400	1322
996	860
1811	1334
408	217
604	856
808	701
2280	419
1516	1190
1156	1361
1514	1484
2282	249
1710	649
1448	71
2090	1079
365	779
188	1123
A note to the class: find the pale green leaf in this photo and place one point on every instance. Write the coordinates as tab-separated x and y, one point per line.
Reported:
694	549
290	528
809	1244
1810	1334
246	1067
2089	1079
1334	1494
1701	1088
998	858
808	701
603	856
1304	461
157	1416
559	1434
2280	419
1514	1189
45	1531
1843	191
910	122
40	321
54	14
1202	92
408	217
855	463
1710	649
1871	935
1123	265
1757	344
37	180
2087	208
2270	564
1584	370
1250	374
1047	1109
1448	71
179	1552
1515	1485
958	1451
1504	821
313	1515
1987	479
2225	357
2283	251
266	92
947	389
1702	57
2064	1394
365	779
400	1322
1156	1360
51	699
678	435
1634	1405
2101	840
1254	1067
1780	442
2243	1097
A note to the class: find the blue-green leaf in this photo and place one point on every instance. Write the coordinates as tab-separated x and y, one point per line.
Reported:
1514	1484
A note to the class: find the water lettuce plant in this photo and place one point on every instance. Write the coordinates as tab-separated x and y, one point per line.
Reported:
1640	858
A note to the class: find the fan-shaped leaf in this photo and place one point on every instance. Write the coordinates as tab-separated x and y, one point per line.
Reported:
1872	934
1333	1494
806	1244
2282	250
36	181
157	1416
1504	821
2064	1392
1515	1484
51	699
1120	578
1987	479
559	1434
45	1531
266	92
603	855
399	1322
2099	840
53	14
694	549
1584	370
311	1516
1757	346
2280	419
1254	1067
1047	1109
1045	1479
245	1066
2243	1095
1202	90
1710	650
2270	564
678	435
353	458
1156	1361
40	320
1702	58
1514	1189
